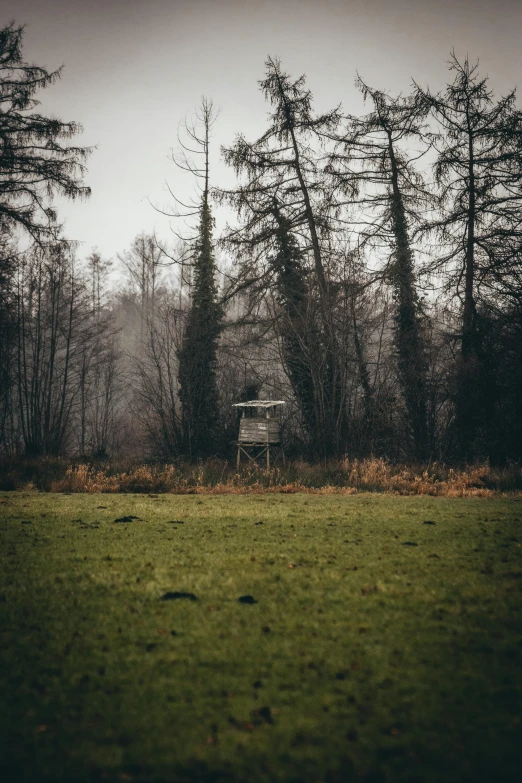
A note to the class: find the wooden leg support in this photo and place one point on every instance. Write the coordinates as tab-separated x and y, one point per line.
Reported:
242	449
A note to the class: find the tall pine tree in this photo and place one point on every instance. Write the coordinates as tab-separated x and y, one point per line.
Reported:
34	163
369	159
197	357
287	212
480	191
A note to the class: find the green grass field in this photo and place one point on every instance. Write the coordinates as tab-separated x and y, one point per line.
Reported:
380	648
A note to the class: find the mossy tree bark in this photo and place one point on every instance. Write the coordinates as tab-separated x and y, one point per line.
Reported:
198	393
368	159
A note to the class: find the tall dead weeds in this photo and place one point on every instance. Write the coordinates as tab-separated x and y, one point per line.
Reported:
340	477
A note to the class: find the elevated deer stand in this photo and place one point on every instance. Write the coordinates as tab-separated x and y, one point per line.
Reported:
259	434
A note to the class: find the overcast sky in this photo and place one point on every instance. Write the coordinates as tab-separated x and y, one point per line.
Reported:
134	68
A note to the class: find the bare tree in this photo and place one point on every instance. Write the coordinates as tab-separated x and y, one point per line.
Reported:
143	261
51	329
99	366
9	258
157	404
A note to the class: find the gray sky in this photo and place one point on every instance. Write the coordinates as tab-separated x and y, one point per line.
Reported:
135	68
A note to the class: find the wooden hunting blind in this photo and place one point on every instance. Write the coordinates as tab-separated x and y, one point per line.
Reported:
259	430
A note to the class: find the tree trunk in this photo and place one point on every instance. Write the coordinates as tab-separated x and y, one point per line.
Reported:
408	329
331	425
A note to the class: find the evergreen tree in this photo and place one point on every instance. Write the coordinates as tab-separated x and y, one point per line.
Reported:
480	179
297	325
288	213
197	357
34	164
369	160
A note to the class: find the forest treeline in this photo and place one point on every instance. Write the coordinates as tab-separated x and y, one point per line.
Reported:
370	276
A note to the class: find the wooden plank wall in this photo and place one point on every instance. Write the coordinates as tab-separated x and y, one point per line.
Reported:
259	431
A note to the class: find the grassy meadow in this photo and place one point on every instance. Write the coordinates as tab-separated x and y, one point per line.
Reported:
379	638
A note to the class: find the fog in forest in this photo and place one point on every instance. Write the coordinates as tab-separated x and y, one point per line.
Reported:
217	202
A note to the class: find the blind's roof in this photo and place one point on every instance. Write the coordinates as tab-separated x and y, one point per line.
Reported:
258	404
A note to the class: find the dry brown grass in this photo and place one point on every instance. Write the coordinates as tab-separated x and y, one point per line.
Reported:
339	477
